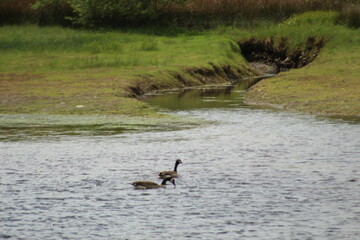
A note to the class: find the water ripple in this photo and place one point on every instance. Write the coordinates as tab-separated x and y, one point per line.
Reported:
256	174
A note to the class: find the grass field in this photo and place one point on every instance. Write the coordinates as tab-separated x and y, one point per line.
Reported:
54	70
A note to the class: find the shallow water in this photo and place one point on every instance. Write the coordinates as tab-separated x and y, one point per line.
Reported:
251	174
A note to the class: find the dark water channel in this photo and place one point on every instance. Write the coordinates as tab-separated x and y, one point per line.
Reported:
251	173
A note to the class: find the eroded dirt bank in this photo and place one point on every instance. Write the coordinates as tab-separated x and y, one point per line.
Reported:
329	86
192	77
276	55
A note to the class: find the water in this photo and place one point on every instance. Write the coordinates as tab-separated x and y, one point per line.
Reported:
250	174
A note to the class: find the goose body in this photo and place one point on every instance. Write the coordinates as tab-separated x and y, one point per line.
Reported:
172	174
151	185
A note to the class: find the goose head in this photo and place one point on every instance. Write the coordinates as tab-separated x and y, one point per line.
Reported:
168	178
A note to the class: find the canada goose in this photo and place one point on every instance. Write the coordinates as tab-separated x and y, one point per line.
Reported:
150	185
173	174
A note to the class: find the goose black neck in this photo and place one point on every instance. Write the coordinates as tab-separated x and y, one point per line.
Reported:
176	165
164	181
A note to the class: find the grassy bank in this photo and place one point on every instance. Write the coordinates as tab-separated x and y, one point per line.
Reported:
64	71
330	84
53	70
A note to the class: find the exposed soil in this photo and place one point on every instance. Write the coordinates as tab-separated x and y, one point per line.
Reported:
274	55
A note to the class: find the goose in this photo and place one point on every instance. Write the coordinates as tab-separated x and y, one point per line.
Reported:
150	185
173	174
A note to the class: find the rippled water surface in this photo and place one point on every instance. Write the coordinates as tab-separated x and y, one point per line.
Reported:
251	174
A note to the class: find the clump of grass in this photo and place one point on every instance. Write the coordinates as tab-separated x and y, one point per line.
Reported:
96	61
149	45
313	17
33	38
86	62
104	46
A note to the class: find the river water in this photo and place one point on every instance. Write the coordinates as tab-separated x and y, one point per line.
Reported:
248	173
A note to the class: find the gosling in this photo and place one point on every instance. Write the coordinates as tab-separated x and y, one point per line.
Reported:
172	174
151	185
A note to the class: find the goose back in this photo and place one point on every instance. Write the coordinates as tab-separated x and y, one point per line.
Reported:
173	173
151	185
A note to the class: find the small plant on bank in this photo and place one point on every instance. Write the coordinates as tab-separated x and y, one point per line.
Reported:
149	45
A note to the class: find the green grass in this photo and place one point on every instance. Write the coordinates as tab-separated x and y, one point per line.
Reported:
329	85
55	48
52	70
